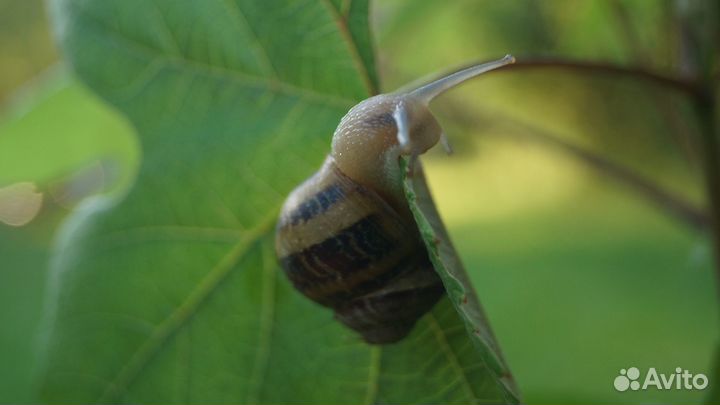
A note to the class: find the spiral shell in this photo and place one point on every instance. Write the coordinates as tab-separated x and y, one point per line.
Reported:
344	247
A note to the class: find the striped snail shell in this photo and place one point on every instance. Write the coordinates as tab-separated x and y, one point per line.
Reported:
346	237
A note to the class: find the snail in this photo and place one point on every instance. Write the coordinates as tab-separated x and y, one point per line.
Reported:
346	238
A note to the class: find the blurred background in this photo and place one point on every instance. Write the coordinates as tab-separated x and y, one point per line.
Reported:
581	270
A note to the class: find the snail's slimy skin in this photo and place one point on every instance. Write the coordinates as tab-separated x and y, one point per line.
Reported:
365	145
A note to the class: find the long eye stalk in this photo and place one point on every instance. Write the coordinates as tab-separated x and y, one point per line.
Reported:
431	90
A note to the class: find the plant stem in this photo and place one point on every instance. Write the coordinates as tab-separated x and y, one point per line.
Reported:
688	86
674	205
708	119
667	111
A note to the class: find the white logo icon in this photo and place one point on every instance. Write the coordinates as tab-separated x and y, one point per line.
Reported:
679	380
628	379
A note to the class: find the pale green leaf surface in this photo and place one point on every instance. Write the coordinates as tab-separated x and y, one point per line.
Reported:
59	130
172	294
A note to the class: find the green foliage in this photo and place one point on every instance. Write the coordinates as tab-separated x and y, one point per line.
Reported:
47	138
25	256
172	293
62	115
579	276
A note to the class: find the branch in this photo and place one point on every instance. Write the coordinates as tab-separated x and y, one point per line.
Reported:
674	205
710	137
688	86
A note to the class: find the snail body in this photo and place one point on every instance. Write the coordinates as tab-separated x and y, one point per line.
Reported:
346	238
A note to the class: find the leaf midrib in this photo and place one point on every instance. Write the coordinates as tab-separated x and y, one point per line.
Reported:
375	367
440	336
353	48
265	329
181	315
263	56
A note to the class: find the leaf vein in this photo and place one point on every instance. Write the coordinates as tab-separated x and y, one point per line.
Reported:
452	357
204	68
167	33
258	47
267	319
351	45
180	316
373	375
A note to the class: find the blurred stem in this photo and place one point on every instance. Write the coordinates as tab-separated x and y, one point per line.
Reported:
674	205
704	53
667	112
668	202
708	116
688	86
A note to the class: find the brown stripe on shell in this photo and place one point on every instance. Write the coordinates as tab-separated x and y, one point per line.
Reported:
389	314
362	258
316	204
362	252
302	225
344	247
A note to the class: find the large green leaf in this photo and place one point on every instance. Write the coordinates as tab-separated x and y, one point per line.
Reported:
172	294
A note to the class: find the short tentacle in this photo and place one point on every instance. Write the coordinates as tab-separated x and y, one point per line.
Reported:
445	142
403	126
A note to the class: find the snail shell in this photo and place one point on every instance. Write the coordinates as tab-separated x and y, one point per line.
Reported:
344	247
346	238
